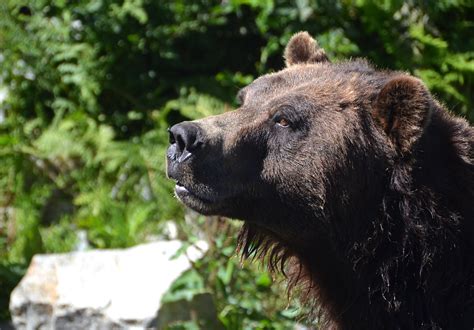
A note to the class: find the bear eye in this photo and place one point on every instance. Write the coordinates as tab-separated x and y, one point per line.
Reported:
282	121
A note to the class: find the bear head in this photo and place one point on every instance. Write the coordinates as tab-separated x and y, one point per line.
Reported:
308	148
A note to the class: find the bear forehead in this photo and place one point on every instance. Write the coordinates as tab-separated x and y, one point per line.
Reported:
325	82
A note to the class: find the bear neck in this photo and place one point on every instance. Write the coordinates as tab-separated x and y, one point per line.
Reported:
421	235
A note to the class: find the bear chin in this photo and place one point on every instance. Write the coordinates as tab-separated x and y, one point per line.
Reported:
203	205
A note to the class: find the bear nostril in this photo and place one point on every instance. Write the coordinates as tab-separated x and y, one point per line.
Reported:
180	142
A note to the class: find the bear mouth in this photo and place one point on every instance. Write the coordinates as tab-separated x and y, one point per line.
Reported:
191	198
182	191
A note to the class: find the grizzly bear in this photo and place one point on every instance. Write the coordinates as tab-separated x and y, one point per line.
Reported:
354	181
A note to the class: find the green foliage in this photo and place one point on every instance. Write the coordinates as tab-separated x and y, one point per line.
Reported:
60	237
248	297
10	275
92	86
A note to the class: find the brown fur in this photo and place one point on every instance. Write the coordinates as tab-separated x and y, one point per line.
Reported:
303	49
364	199
403	110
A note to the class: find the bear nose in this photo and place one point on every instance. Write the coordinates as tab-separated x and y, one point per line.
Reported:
187	136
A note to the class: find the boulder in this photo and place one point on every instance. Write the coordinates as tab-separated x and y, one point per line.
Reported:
99	289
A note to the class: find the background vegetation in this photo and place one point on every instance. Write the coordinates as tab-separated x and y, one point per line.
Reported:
91	86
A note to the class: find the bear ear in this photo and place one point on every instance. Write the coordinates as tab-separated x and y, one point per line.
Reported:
403	110
302	48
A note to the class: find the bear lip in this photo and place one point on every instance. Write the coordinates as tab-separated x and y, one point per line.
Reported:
180	188
206	204
182	192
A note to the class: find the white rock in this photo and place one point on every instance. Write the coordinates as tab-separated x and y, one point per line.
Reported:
99	289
